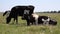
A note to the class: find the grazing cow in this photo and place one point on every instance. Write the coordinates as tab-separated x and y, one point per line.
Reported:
36	19
19	11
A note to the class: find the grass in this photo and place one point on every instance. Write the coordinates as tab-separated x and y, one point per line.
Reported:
22	28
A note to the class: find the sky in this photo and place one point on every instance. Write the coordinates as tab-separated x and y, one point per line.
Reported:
40	5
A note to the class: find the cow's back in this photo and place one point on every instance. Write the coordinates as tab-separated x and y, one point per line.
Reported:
19	10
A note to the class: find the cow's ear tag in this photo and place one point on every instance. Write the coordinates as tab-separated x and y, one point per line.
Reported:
26	11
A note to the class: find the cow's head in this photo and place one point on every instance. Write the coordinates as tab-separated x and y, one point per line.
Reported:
8	19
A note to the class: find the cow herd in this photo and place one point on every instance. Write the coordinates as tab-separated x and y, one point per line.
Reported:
27	13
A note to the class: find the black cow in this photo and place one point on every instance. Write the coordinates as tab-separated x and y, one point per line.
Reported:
36	19
19	11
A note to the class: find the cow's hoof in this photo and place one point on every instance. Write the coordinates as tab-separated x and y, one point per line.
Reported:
28	25
7	23
22	18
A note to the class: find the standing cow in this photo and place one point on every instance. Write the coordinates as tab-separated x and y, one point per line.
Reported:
19	11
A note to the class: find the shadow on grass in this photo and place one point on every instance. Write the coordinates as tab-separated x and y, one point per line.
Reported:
19	24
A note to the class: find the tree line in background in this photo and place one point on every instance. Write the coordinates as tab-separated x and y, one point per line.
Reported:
47	12
51	11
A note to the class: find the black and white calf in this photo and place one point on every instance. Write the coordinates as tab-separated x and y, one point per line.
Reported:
36	19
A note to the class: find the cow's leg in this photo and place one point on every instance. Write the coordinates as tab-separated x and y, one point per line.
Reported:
28	23
36	22
32	23
23	17
16	19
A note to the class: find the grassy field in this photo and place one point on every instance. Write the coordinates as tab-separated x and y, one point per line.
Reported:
22	28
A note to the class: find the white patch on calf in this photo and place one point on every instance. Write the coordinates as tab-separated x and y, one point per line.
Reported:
36	18
26	11
46	21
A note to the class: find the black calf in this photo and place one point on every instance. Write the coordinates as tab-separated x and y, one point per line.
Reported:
40	20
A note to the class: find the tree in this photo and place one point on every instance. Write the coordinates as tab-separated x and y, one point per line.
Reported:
55	11
59	11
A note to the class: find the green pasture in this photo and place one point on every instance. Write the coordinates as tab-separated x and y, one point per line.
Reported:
22	28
